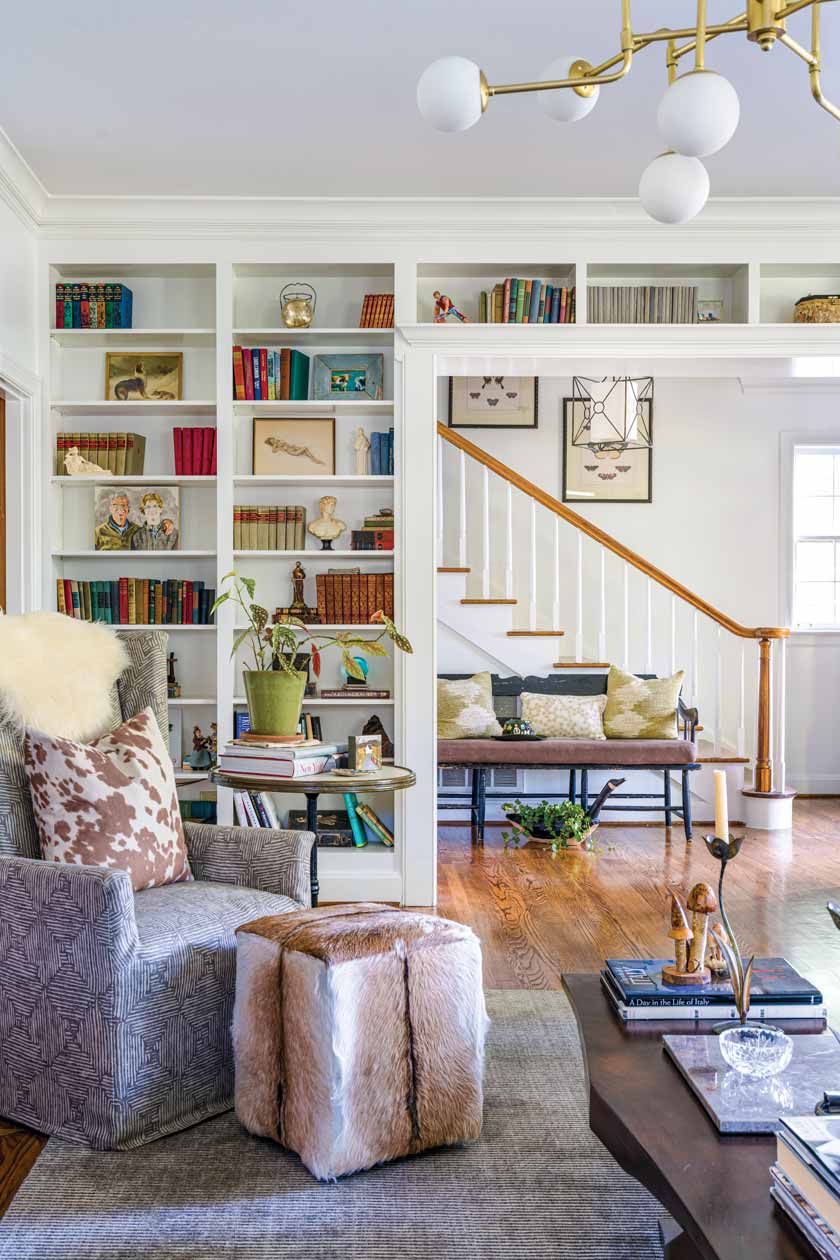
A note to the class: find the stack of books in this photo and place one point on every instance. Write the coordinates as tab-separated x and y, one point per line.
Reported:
805	1180
642	304
377	311
276	757
382	454
195	452
122	454
635	990
351	599
332	829
361	818
84	304
261	374
269	527
377	533
518	301
129	601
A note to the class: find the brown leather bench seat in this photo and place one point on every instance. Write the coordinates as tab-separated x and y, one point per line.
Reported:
566	753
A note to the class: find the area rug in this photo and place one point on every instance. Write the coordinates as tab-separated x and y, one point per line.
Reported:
537	1185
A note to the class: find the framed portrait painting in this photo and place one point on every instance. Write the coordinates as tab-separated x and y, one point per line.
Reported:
591	475
288	446
493	402
137	518
138	376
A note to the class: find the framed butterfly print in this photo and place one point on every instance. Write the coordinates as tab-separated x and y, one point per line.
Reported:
598	476
493	402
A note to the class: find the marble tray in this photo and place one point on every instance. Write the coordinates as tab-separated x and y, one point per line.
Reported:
738	1104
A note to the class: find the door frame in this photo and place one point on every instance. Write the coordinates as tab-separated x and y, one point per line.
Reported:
25	491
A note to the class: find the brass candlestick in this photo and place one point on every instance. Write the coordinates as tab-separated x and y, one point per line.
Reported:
741	977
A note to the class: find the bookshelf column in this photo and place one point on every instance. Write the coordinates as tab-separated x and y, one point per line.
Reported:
225	682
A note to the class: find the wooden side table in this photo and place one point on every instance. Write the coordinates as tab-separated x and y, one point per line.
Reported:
387	779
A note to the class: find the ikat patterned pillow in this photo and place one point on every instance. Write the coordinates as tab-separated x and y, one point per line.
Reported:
465	708
641	708
110	803
565	717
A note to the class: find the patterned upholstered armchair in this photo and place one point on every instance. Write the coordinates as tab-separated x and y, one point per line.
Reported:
115	1006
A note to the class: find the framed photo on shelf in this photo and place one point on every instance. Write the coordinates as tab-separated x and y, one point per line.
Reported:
133	376
603	477
289	446
137	518
342	377
493	402
710	311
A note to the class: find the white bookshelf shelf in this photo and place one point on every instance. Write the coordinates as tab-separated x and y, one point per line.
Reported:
312	479
372	628
316	406
179	407
310	702
142	479
312	336
99	338
133	555
165	626
190	776
185	702
309	555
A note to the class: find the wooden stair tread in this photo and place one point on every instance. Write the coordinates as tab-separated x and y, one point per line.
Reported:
444	568
581	665
489	601
534	634
707	755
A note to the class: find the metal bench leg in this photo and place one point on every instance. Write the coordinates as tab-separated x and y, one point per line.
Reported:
481	799
572	784
584	788
474	797
667	797
686	804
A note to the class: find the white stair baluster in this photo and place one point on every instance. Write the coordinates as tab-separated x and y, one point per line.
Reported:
695	660
718	691
649	628
555	610
739	738
673	634
602	625
779	768
462	510
485	533
440	503
627	617
532	586
579	600
509	542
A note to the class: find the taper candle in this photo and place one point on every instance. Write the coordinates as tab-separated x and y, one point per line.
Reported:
721	806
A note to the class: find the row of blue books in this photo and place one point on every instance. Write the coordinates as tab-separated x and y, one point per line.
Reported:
382	454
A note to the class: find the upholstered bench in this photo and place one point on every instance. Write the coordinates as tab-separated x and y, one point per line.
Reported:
358	1034
578	756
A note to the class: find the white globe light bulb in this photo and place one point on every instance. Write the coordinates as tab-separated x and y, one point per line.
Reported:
564	104
674	188
449	94
698	113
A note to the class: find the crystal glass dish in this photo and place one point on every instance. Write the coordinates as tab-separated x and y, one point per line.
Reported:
756	1050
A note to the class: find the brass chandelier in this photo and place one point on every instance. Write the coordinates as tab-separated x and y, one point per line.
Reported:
697	115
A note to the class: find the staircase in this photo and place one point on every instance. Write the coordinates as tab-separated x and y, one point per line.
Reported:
536	588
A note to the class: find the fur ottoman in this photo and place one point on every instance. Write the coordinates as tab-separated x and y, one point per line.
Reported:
358	1034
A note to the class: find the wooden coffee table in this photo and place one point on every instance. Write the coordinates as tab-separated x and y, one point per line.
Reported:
716	1189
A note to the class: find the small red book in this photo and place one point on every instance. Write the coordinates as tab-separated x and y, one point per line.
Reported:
238	375
249	375
178	444
263	373
213	455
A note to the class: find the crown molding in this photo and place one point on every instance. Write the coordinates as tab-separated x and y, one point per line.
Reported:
20	188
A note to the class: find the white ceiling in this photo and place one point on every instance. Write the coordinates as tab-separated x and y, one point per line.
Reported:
268	98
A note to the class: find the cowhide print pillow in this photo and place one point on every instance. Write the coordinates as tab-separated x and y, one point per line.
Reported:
111	803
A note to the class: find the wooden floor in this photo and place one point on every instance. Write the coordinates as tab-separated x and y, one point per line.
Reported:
539	915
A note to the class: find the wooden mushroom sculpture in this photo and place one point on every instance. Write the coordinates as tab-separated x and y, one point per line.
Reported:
681	934
701	902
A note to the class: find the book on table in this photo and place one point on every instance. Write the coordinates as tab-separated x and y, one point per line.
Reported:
278	761
636	991
806	1178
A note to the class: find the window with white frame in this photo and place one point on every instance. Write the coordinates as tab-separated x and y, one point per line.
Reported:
816	537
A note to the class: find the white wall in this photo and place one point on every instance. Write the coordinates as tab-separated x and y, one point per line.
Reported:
17	290
714	524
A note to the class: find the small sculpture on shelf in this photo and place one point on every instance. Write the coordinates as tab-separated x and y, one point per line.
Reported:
373	726
77	466
361	446
202	755
327	528
298	607
173	687
444	307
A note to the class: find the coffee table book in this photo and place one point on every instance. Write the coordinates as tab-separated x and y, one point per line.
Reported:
642	1012
795	1205
738	1104
638	983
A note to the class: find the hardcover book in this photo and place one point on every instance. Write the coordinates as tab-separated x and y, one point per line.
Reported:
639	983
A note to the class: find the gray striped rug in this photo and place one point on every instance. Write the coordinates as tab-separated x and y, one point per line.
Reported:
537	1185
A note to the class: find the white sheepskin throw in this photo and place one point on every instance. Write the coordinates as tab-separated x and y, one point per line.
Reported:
56	674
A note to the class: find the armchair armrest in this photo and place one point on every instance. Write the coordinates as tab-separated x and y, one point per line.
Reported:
281	862
690	718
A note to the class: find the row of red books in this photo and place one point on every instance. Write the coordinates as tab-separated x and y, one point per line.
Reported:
195	452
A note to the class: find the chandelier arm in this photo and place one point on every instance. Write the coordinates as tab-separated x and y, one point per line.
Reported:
700	41
796	5
814	68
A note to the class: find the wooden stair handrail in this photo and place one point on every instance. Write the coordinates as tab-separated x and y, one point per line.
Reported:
606	540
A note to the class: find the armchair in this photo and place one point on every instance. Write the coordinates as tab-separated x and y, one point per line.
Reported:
116	1006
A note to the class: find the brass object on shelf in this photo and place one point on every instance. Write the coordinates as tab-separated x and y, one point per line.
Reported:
297	305
822	308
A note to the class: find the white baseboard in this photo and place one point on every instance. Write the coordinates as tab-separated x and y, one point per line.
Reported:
360	885
815	784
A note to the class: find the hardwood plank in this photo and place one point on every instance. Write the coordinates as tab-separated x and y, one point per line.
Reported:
19	1148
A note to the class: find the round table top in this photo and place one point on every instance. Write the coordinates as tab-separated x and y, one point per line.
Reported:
386	779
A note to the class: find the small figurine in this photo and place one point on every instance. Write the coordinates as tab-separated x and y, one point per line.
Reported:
298	606
201	757
373	726
327	528
77	466
351	680
361	446
701	902
173	687
444	307
681	934
715	960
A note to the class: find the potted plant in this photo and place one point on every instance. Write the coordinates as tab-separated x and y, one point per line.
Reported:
565	825
274	683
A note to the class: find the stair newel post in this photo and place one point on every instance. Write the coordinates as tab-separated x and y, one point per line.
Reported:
532	584
579	600
763	767
509	542
462	510
485	533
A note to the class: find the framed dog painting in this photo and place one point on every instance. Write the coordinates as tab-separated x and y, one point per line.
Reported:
143	377
493	402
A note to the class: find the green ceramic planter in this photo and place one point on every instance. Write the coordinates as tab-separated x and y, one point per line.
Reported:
274	700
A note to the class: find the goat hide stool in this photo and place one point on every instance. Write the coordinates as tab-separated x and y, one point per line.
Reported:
358	1034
